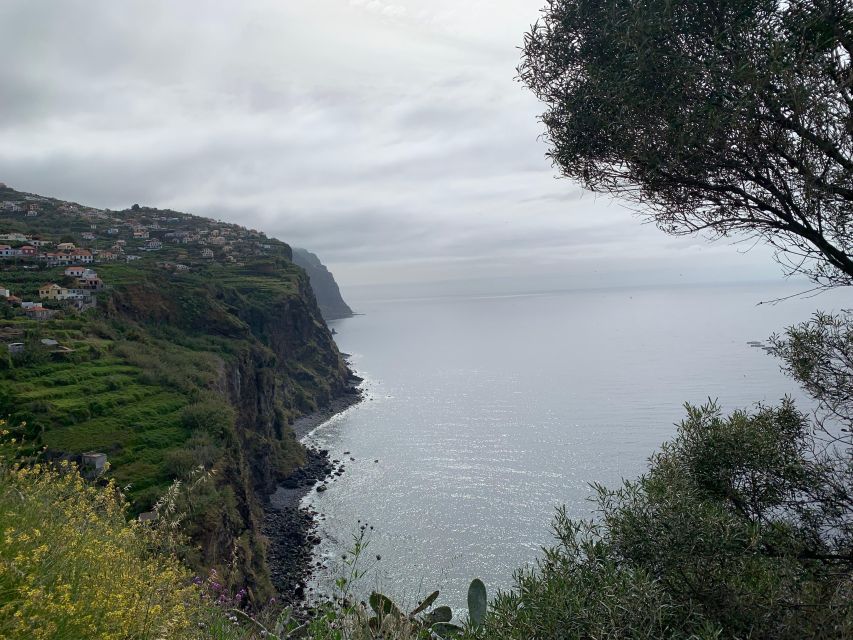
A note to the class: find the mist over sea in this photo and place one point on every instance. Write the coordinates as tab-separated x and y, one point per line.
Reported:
487	412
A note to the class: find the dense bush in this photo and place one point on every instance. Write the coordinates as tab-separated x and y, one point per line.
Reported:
72	566
209	414
724	537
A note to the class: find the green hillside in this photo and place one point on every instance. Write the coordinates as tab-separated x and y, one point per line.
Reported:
196	352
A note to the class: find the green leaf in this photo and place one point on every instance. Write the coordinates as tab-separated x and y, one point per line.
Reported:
425	604
439	614
477	602
383	605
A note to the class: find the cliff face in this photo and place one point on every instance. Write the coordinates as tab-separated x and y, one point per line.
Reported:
176	369
323	283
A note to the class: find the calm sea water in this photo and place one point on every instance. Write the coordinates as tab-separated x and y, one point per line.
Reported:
486	413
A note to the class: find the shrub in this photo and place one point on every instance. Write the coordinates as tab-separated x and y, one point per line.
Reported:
209	414
725	537
72	566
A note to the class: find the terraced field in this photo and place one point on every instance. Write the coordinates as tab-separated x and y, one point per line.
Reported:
98	398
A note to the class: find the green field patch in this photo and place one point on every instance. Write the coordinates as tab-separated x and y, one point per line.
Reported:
93	388
122	427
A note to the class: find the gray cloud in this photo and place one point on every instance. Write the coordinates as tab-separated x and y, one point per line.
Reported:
387	135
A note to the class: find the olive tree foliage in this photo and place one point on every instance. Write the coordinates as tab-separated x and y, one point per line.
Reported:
732	117
728	535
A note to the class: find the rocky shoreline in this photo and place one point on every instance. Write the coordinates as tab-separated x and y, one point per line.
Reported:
289	528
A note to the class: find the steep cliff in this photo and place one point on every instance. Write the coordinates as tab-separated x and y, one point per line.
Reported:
186	361
323	283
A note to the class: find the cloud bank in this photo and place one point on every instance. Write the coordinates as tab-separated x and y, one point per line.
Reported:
390	137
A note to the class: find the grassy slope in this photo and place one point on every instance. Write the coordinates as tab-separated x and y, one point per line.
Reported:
146	380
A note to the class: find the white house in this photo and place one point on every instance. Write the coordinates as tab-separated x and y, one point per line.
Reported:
75	272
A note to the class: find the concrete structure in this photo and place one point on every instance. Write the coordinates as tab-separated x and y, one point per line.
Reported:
93	464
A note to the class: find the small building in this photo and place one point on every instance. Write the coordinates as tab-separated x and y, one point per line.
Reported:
75	272
6	251
49	342
113	231
90	282
66	246
153	245
39	313
83	255
130	258
206	253
87	235
28	251
53	291
15	347
4	293
93	464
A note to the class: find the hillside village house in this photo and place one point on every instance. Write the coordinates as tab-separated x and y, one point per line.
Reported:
6	251
140	234
153	245
39	313
4	293
90	281
87	235
27	251
83	255
106	256
66	246
53	291
75	272
14	237
39	243
206	253
64	258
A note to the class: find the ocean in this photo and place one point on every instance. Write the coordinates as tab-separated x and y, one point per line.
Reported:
485	413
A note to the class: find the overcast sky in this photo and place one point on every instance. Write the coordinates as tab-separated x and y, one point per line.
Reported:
389	137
